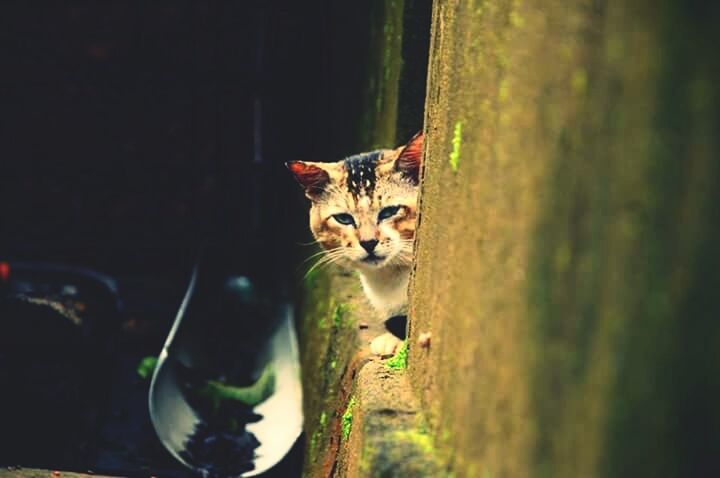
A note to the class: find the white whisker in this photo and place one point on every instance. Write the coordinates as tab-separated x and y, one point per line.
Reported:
331	256
314	255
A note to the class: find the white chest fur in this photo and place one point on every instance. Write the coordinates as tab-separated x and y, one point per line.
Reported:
386	289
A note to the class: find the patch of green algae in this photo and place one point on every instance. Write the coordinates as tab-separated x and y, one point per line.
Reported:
317	434
339	314
421	440
328	337
347	419
456	144
399	360
401	453
323	419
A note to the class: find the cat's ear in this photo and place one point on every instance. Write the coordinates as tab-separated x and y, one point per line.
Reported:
311	177
410	157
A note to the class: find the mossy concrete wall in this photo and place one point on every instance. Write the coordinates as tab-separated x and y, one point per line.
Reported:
331	341
568	265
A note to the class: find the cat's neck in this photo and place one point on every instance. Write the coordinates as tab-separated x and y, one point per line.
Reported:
386	288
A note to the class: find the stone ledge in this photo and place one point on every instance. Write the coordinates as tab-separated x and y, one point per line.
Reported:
383	427
361	417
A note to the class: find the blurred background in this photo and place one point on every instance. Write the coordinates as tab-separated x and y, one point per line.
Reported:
133	133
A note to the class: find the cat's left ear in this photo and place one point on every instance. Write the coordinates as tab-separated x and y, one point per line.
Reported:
410	158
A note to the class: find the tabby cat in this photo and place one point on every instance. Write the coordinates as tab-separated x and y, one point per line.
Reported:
362	214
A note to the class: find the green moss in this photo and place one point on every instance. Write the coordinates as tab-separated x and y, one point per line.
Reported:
347	419
317	435
146	367
456	144
339	313
503	93
579	81
328	315
516	20
423	426
420	440
446	435
252	395
399	360
314	439
323	419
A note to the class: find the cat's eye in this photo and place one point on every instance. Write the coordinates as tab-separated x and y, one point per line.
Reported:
388	212
344	219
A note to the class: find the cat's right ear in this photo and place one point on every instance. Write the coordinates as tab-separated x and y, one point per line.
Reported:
311	177
410	157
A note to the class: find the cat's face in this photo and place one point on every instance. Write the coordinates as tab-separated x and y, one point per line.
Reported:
364	207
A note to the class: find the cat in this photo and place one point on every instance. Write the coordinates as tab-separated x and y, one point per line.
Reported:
363	214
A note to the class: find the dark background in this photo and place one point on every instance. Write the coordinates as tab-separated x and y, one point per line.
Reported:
131	132
134	134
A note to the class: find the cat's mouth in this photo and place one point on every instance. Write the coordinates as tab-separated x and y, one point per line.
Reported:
372	259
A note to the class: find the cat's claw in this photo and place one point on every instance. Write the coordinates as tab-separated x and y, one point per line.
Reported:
385	344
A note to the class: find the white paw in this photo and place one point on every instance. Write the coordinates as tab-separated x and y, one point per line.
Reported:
385	344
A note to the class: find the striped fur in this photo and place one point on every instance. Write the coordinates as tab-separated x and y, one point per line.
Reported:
363	186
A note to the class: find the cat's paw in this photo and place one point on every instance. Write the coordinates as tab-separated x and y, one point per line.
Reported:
385	344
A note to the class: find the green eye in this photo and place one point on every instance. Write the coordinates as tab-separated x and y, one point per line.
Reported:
387	212
344	219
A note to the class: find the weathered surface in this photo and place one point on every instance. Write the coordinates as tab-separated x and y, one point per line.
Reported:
385	430
361	417
332	353
567	261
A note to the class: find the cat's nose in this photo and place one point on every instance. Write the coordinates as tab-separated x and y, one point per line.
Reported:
369	246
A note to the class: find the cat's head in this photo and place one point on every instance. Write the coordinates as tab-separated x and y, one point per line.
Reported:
364	207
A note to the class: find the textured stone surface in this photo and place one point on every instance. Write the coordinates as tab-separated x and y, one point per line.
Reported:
333	349
567	262
389	437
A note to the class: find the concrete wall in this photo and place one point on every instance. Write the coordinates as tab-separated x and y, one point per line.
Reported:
568	265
